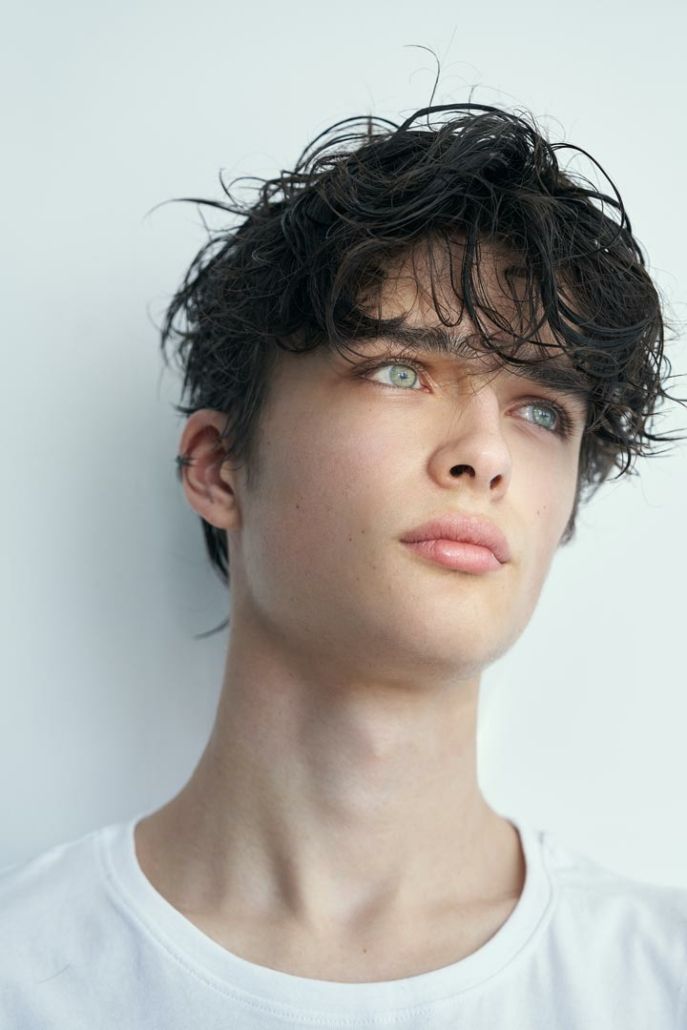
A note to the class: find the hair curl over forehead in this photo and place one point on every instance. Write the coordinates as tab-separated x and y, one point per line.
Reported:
304	261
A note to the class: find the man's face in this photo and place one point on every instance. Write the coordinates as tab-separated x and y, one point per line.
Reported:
350	463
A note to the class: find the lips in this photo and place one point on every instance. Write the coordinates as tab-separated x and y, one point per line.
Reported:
468	529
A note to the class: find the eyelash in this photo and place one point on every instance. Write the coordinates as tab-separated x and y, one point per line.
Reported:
565	421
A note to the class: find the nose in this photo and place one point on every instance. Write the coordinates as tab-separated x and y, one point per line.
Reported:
475	449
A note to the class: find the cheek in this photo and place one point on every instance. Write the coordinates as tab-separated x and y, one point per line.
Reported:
309	513
548	508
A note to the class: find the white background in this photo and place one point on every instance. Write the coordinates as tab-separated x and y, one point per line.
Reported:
107	698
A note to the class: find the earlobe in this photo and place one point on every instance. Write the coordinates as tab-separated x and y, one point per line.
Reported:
206	476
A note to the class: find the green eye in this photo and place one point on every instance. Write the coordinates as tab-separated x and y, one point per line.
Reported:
401	374
549	412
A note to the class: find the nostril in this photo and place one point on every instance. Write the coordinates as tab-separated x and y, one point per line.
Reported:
457	470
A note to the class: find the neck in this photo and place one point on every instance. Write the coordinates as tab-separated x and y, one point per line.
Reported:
331	800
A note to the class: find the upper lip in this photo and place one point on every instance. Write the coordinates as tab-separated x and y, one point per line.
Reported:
469	529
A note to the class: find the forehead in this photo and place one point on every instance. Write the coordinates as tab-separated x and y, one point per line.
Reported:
421	292
427	283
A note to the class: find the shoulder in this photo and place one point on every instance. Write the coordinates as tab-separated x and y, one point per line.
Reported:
52	876
580	876
639	918
45	902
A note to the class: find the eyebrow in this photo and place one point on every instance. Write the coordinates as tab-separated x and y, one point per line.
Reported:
555	372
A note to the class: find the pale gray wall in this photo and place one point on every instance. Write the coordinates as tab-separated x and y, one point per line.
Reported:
106	697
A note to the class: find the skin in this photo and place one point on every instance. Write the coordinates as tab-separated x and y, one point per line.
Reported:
334	826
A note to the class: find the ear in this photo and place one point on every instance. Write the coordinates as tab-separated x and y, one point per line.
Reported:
209	485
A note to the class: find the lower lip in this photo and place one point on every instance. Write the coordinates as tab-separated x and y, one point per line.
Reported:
456	555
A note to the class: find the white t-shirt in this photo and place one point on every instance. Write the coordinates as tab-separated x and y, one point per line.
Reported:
87	943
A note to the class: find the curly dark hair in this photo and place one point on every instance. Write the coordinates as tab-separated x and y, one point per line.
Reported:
291	274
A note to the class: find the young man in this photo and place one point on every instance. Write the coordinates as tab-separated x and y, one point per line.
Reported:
332	861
